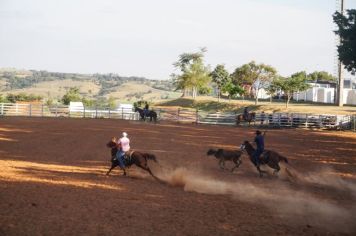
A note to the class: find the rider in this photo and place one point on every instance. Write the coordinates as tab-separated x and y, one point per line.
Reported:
245	113
124	144
145	110
260	143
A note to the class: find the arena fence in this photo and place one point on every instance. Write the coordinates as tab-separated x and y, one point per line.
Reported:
31	110
267	120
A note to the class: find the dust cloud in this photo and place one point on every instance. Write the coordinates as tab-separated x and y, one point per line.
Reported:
296	204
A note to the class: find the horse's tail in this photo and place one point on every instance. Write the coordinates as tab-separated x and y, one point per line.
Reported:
283	158
151	157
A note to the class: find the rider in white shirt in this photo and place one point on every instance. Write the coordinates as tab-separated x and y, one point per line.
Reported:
124	144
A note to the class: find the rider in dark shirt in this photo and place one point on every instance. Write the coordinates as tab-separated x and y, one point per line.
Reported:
260	143
145	110
245	113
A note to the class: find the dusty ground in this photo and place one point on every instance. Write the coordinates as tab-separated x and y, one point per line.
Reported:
52	181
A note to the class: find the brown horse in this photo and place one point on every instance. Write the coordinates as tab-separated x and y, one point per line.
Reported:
250	117
271	158
226	155
132	157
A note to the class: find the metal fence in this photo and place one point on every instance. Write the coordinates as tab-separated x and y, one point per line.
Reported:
270	120
41	110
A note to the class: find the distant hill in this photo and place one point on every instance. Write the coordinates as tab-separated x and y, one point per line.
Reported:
53	85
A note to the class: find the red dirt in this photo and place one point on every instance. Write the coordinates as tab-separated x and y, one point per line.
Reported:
52	181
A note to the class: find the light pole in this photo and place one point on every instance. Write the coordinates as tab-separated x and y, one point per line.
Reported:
340	88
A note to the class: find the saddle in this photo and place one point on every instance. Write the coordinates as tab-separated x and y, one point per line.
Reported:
128	156
264	157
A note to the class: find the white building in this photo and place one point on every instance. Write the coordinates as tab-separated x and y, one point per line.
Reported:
325	93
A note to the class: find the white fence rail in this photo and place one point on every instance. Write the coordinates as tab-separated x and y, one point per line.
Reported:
271	120
15	109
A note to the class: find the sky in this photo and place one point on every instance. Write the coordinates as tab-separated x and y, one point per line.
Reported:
144	38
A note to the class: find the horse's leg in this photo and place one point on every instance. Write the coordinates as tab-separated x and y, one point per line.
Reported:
222	164
113	165
237	164
276	169
146	168
124	169
260	171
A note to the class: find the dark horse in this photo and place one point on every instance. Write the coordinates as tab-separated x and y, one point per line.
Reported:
226	155
151	114
133	157
250	117
271	158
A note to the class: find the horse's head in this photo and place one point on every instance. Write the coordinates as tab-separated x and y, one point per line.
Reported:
244	145
211	152
112	143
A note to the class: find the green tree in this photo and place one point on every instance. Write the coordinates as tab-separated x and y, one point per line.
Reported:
297	82
321	76
194	75
232	89
112	102
220	76
2	99
258	76
72	95
347	31
272	89
22	97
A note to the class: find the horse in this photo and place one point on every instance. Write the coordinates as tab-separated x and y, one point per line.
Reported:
269	157
152	114
226	155
133	157
250	117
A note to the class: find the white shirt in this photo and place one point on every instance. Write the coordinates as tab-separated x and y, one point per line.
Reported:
125	144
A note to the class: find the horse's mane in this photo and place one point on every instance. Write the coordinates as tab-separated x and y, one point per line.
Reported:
248	144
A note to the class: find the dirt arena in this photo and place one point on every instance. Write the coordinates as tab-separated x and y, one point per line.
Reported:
52	181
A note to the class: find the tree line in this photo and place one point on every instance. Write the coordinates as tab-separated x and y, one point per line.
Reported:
247	80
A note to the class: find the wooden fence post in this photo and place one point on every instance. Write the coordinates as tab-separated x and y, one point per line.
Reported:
84	111
30	109
178	115
41	110
109	113
197	116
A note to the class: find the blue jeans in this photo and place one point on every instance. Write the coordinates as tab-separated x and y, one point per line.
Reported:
256	156
120	157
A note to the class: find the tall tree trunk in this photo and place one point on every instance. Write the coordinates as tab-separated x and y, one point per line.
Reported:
218	94
288	99
256	96
194	92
